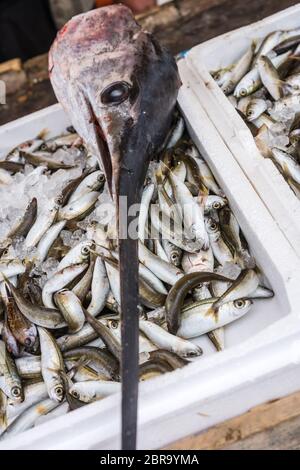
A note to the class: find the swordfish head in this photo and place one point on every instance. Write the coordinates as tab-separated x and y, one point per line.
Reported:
119	87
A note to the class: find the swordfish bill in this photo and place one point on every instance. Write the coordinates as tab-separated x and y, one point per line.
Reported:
119	88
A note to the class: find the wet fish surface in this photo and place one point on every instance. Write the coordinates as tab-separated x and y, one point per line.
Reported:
267	98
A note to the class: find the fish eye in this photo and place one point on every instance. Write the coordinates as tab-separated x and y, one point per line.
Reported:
101	178
43	147
85	251
243	92
250	112
114	324
28	342
91	245
213	226
216	205
192	354
16	392
115	93
75	394
59	391
59	200
239	303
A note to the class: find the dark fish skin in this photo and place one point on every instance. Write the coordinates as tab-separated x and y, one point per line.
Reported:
174	361
72	185
118	76
27	221
148	296
74	403
105	334
35	293
13	167
190	162
22	329
29	287
46	317
83	287
153	367
287	44
10	341
108	365
37	160
179	291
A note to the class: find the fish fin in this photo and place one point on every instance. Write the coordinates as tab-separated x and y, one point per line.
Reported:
66	378
215	341
43	134
83	361
261	142
3	420
213	311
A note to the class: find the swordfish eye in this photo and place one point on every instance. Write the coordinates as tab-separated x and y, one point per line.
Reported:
115	93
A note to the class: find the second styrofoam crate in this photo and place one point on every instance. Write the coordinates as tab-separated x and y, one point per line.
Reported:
263	174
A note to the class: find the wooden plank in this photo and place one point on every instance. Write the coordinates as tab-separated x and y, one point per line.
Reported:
14	65
199	20
261	419
285	436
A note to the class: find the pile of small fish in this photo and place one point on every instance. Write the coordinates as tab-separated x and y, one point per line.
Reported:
60	295
264	87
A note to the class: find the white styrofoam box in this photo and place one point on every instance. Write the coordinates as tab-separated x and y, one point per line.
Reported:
50	119
262	356
263	174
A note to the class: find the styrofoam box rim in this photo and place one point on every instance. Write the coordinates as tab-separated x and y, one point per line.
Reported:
263	174
219	386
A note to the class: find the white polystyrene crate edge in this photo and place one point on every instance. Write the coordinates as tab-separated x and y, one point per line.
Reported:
263	174
30	126
285	327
